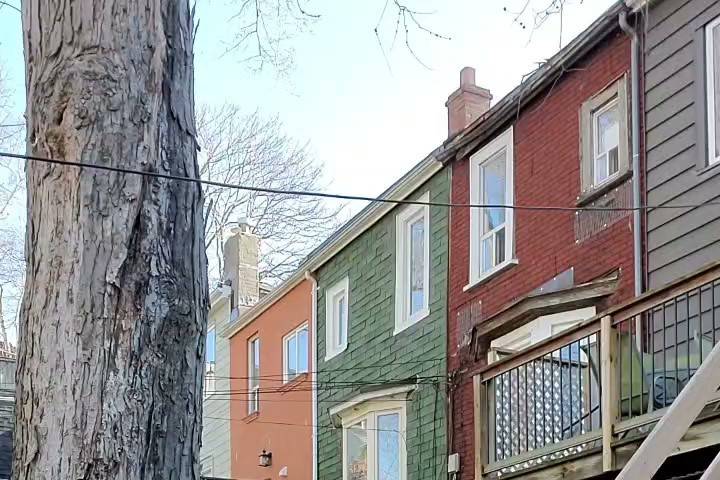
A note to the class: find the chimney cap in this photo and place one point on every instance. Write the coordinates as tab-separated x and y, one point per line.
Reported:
467	77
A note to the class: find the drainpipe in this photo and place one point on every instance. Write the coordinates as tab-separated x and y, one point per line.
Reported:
635	114
313	371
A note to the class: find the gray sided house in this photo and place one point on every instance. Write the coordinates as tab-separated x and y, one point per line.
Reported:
682	121
381	337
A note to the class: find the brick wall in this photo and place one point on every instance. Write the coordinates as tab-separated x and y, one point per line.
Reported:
547	172
369	263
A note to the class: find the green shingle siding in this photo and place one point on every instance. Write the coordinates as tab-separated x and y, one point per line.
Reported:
369	264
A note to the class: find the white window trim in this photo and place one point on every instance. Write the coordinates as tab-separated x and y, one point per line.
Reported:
331	348
286	373
594	115
504	140
253	390
403	220
709	91
370	413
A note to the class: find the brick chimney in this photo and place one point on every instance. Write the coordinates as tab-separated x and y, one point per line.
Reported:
467	103
241	253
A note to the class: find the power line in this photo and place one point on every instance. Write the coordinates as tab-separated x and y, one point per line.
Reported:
289	424
3	125
348	369
340	196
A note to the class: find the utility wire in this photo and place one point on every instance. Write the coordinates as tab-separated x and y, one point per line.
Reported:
349	369
267	422
340	196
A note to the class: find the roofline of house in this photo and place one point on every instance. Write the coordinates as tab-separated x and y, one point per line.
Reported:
499	115
367	217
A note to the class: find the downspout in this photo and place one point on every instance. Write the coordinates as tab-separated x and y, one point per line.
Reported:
635	116
313	369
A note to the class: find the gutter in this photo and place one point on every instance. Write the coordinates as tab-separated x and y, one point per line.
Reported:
313	369
635	114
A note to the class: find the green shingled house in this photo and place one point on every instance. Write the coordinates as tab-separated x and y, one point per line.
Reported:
381	336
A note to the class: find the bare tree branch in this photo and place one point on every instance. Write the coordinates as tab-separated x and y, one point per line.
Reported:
252	150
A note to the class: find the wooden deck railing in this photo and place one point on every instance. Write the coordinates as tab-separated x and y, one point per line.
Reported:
573	393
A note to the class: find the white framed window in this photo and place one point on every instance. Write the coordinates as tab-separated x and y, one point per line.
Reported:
712	67
412	264
295	353
210	348
606	140
253	375
336	318
491	228
374	444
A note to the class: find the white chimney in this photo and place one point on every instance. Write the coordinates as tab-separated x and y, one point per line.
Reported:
241	253
467	103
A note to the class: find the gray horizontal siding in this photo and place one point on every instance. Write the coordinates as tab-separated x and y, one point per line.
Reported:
216	412
679	241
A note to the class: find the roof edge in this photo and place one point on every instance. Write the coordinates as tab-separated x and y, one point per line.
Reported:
502	112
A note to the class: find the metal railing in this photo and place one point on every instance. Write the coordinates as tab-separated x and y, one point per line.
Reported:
572	393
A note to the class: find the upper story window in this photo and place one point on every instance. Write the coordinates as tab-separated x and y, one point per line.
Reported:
606	135
210	340
295	353
604	138
491	227
336	318
712	61
412	264
254	375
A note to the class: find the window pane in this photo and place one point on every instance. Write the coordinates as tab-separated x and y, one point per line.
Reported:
291	356
302	346
487	254
608	130
254	362
357	460
210	346
342	321
417	266
500	246
601	168
716	88
493	190
388	453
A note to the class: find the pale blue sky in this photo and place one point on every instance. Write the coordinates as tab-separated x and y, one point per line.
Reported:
367	123
367	119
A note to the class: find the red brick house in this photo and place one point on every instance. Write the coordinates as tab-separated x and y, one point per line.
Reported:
517	277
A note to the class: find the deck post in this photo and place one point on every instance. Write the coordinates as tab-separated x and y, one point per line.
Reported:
480	405
608	381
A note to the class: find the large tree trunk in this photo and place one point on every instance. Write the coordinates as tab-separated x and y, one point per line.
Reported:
113	320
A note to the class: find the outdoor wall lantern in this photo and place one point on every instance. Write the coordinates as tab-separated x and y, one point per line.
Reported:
265	459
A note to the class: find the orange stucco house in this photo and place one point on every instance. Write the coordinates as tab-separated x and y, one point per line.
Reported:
271	386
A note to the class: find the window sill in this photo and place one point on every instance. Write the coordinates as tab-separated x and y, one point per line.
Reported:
291	384
335	353
593	193
490	274
251	417
418	317
709	168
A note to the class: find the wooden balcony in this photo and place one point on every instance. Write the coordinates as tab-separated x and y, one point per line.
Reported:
580	403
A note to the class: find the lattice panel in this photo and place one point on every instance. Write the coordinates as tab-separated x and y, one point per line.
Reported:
540	403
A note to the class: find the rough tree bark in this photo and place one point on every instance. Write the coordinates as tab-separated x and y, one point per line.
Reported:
113	320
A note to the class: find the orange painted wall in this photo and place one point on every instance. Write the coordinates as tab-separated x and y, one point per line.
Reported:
290	445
